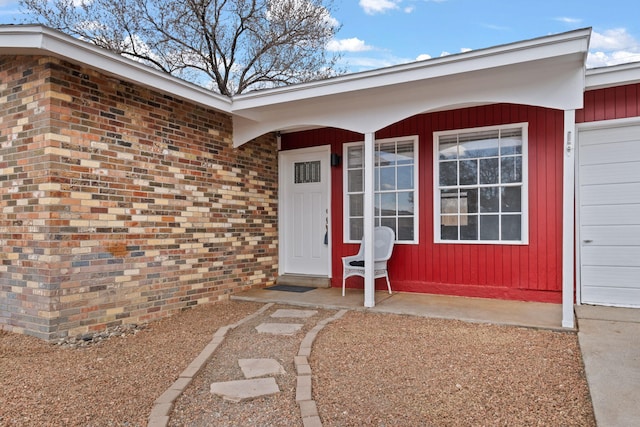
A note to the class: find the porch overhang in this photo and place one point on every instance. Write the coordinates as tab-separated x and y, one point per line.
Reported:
546	72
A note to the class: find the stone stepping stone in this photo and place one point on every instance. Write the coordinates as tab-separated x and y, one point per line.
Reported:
241	390
253	368
279	328
299	314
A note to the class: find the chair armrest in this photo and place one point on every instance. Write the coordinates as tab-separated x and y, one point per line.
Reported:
347	259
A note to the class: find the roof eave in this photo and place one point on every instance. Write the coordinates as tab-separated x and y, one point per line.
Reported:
40	40
616	75
576	41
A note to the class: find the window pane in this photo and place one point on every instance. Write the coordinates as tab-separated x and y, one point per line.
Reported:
376	204
489	163
469	200
356	228
389	222
489	199
405	203
489	171
468	227
489	227
405	229
449	227
448	147
510	141
468	172
354	155
355	181
387	179
404	154
449	201
511	227
405	178
512	169
388	204
387	154
356	205
479	144
511	199
448	173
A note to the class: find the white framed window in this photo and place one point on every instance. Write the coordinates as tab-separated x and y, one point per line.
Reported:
480	185
395	188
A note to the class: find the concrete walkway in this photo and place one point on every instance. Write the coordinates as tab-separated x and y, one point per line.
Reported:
477	310
610	344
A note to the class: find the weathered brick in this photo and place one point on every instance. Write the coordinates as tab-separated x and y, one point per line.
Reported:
135	202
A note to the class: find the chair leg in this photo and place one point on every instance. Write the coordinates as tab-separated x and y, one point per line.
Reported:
386	276
343	280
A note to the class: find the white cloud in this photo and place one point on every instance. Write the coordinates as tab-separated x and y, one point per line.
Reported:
423	57
568	20
462	50
617	38
353	44
612	47
496	27
371	7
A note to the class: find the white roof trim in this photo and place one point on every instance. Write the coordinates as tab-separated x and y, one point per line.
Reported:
547	72
617	75
40	40
556	45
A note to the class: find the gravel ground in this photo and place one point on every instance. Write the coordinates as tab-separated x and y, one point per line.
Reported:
113	383
368	369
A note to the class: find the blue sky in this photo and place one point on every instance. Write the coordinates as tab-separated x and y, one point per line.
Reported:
380	33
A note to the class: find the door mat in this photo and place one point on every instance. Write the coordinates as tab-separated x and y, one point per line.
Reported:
289	288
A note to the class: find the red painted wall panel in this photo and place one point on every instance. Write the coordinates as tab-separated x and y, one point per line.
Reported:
611	103
526	272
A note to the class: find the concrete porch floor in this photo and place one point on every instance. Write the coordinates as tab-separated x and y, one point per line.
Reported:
479	310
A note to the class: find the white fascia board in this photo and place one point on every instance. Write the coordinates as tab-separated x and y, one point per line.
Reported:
40	40
566	44
617	75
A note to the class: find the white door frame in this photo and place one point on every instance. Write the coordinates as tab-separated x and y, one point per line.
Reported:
601	124
282	204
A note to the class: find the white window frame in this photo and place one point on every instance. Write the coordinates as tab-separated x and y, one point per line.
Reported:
346	193
524	226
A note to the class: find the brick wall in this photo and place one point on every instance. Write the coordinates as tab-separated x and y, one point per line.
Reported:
119	204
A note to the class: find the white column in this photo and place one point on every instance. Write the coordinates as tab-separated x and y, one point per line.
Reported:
369	165
568	218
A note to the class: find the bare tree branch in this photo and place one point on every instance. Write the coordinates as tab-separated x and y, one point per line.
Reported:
230	46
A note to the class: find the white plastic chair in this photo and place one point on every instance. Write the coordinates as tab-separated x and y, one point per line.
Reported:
384	238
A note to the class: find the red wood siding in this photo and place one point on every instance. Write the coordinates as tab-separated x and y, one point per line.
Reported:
611	103
526	272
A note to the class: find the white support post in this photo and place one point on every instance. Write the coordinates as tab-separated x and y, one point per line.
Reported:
568	221
369	165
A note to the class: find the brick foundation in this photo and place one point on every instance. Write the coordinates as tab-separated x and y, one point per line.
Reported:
119	204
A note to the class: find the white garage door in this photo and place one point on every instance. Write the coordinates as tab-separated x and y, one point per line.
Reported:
609	214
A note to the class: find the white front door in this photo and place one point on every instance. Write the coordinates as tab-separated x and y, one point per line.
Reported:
609	213
304	211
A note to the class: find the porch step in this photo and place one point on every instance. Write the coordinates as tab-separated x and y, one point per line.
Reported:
304	280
